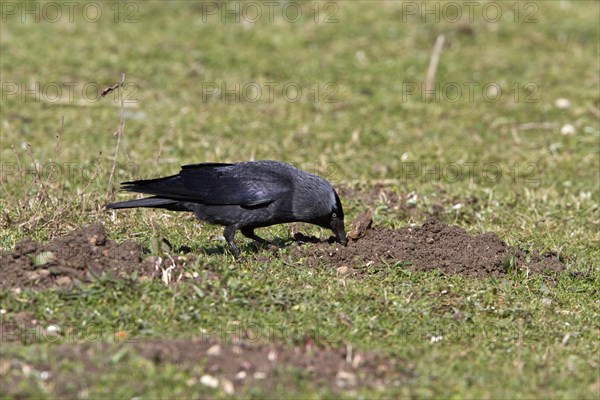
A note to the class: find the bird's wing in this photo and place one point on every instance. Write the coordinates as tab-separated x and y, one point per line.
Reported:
243	184
218	184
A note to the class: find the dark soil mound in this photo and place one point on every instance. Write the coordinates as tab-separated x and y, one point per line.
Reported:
82	254
432	246
86	253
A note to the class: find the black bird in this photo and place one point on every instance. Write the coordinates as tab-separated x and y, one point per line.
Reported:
244	196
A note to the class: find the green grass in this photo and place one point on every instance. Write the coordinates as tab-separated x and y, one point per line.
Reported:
509	343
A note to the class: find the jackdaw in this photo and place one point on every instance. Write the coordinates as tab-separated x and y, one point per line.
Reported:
244	196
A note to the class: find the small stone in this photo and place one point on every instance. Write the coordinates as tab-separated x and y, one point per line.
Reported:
343	269
53	330
43	273
26	369
436	338
214	350
345	379
568	129
32	276
260	375
97	240
63	281
210	381
430	240
272	356
241	375
562	103
227	386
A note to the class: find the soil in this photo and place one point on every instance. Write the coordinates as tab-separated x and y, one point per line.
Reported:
229	366
432	246
87	253
81	256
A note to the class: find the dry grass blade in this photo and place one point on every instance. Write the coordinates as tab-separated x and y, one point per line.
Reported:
120	132
433	65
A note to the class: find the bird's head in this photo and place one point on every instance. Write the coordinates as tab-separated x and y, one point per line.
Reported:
316	202
331	216
336	221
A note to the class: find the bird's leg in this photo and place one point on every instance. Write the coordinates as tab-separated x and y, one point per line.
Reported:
229	233
249	233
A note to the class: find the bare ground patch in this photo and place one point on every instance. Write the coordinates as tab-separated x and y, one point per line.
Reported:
228	366
431	246
80	256
86	253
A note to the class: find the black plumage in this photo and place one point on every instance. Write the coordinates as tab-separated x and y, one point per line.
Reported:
244	196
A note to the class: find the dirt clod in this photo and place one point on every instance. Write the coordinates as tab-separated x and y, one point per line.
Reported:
360	225
80	255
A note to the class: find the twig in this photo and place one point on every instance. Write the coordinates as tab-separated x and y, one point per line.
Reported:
109	89
37	176
160	151
433	64
58	133
120	132
19	164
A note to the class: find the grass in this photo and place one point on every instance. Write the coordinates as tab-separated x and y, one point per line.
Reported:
511	341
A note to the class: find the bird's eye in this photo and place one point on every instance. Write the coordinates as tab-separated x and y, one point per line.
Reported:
334	215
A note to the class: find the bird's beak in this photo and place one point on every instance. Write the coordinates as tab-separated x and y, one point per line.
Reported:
337	226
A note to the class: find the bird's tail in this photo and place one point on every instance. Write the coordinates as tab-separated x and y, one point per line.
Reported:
155	202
